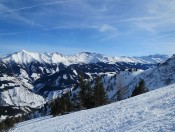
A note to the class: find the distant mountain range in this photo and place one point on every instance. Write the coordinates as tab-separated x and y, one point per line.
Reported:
25	57
28	80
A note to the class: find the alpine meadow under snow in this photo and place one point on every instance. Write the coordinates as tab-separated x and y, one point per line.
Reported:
150	112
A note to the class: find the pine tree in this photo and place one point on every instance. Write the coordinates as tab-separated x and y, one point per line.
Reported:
140	89
89	98
67	103
82	92
135	91
120	89
61	105
120	94
53	106
100	97
7	124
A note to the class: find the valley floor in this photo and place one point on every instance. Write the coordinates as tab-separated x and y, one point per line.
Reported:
153	111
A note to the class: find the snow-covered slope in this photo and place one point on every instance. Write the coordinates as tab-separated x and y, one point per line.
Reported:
153	111
15	92
160	76
25	57
113	81
19	96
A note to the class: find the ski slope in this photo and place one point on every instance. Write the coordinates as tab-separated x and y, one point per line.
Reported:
153	111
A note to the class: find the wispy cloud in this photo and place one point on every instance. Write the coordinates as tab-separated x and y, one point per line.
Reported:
16	14
97	21
103	16
163	36
30	7
106	28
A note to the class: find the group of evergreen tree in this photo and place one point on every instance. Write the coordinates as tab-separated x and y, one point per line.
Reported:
6	124
100	96
91	97
61	105
140	89
88	97
9	122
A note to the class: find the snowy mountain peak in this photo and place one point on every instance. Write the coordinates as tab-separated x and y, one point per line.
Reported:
87	57
18	57
23	51
88	53
56	53
157	58
25	57
170	61
173	57
153	59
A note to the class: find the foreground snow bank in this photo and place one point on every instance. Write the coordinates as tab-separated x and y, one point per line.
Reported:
153	111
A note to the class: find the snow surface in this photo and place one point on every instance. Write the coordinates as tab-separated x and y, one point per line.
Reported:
153	111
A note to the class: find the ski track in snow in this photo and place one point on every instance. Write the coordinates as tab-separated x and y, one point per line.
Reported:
153	111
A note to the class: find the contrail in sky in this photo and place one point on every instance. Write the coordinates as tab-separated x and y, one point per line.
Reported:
12	33
33	21
32	31
163	36
33	6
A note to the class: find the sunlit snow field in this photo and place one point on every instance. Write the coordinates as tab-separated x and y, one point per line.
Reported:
153	111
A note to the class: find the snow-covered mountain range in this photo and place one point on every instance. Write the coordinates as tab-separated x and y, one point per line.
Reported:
25	57
28	80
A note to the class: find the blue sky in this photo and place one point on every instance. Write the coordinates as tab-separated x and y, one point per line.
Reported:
110	27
